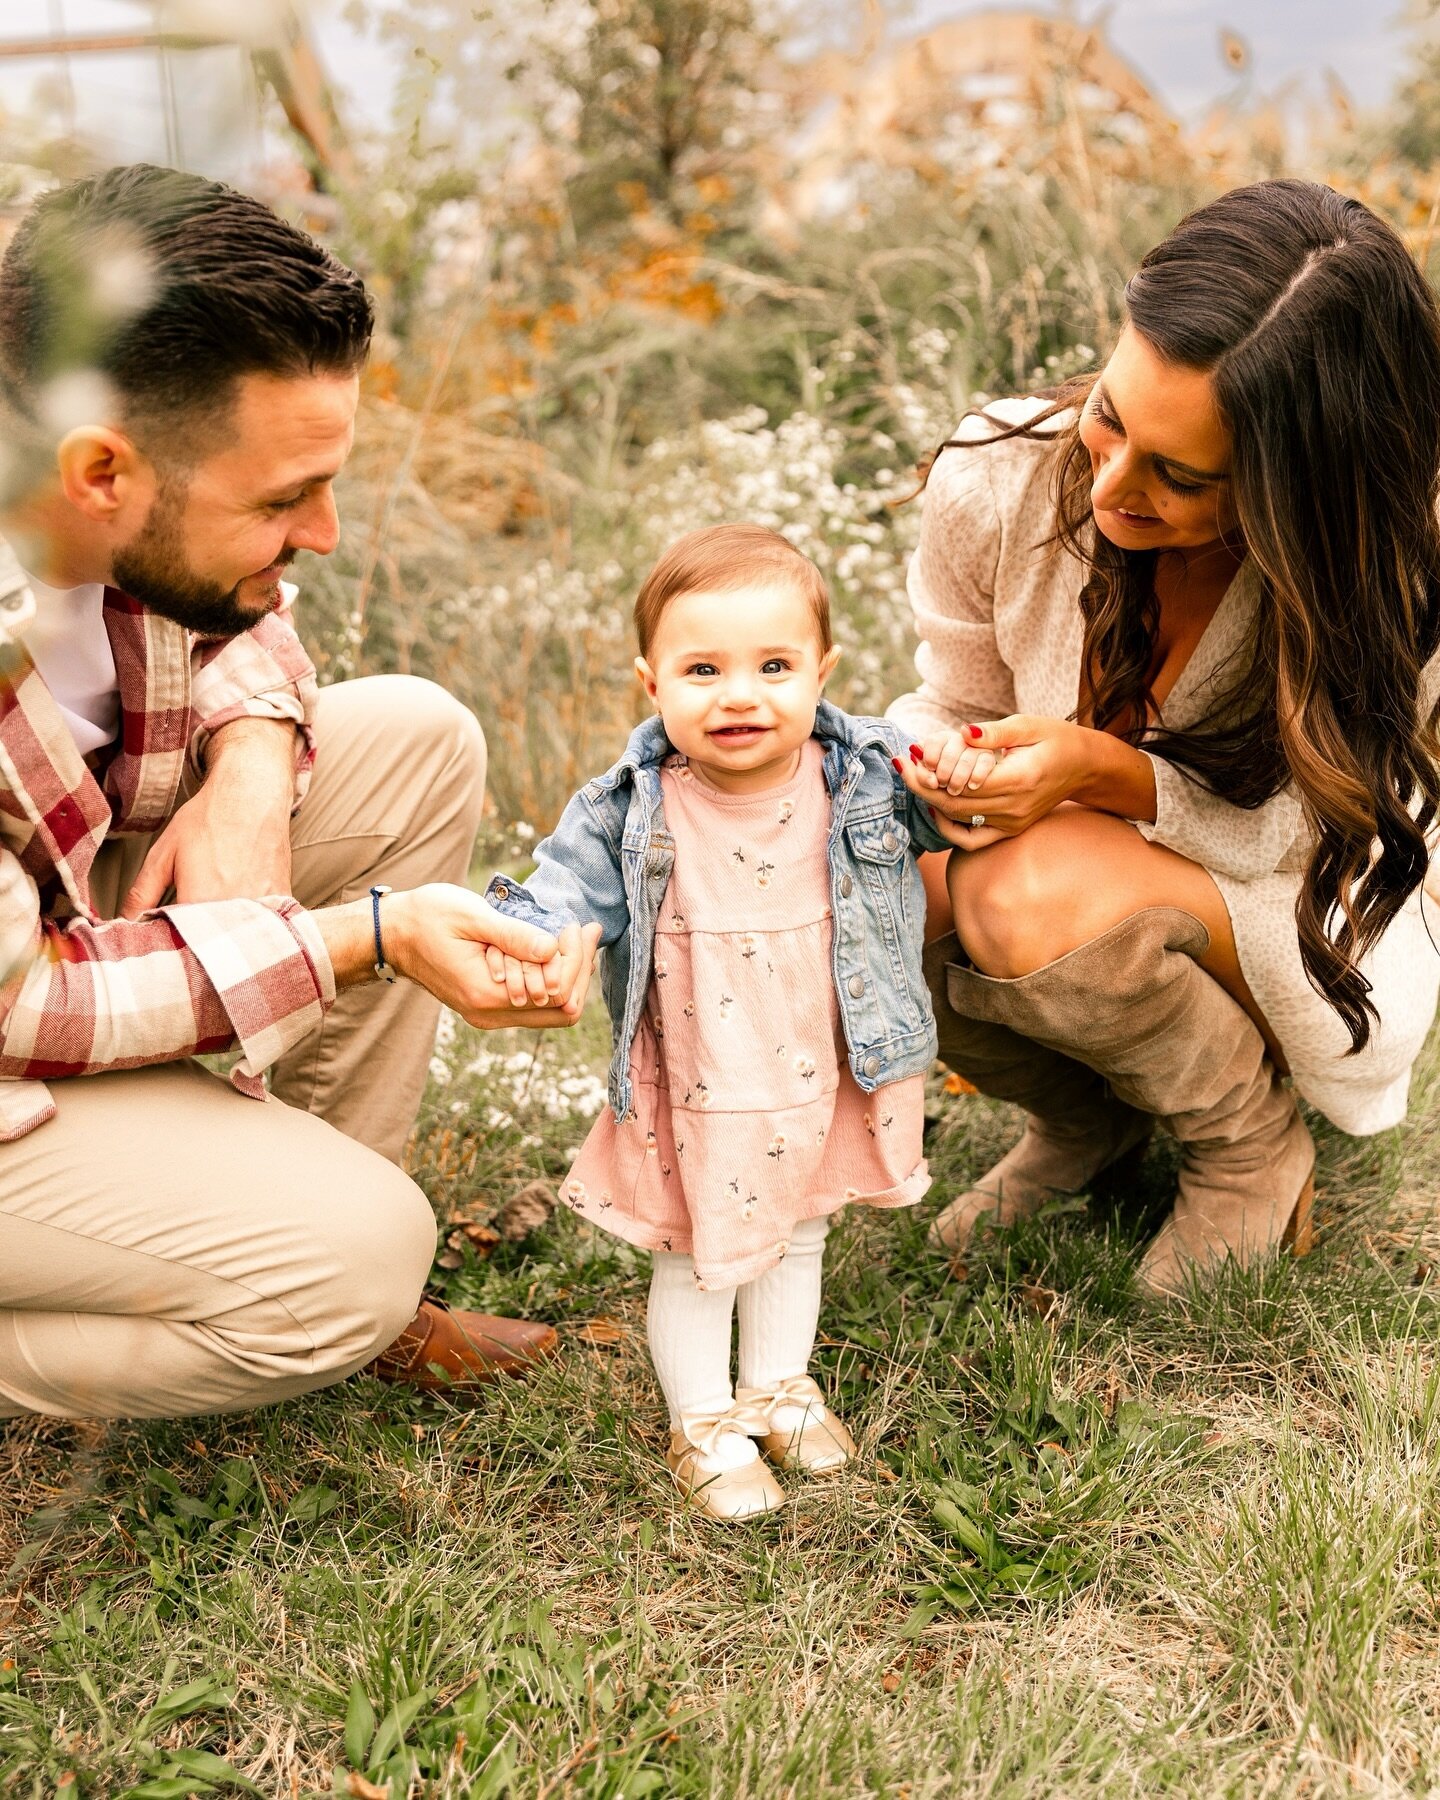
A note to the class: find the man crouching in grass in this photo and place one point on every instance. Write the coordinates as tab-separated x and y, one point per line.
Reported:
199	851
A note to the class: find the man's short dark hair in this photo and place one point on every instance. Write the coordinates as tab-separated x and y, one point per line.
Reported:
172	288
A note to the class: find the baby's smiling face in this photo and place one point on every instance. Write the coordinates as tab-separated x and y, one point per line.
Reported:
736	676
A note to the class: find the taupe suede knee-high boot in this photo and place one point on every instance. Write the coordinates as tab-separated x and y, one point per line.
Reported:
1137	1007
1076	1127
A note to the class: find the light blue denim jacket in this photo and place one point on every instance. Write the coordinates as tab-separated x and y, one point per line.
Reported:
609	861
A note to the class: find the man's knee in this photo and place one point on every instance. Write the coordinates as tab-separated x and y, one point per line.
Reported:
423	724
377	1252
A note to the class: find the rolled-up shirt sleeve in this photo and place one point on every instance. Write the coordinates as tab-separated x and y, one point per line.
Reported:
82	997
262	673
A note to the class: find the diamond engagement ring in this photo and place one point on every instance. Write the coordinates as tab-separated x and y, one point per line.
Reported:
976	821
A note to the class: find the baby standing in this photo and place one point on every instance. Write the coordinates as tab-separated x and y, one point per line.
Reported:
751	862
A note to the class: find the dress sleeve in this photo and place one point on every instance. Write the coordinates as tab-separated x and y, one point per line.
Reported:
1241	842
1231	840
951	582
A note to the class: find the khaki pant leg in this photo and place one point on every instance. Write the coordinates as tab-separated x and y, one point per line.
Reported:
396	801
169	1247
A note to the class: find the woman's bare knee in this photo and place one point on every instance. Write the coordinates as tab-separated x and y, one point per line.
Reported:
1069	879
1011	905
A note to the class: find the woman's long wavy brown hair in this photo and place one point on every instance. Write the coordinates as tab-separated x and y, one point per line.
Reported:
1321	339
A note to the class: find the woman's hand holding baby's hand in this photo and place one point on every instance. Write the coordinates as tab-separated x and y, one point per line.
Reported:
1010	773
956	760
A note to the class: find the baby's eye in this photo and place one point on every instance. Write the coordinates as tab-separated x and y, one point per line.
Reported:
700	668
774	665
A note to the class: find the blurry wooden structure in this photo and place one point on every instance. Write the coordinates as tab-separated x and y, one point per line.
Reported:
275	38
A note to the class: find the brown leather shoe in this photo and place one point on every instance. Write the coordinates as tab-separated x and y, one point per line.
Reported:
444	1351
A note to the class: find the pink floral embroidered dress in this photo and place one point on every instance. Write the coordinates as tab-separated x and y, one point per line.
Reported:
747	1118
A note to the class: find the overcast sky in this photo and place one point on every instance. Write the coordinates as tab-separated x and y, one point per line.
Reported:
1173	43
1176	44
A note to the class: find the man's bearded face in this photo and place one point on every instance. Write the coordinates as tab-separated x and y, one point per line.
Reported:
221	530
154	569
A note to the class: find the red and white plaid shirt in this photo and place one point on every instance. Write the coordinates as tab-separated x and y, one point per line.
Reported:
79	994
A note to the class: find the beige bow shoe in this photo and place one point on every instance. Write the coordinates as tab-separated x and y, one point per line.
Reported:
818	1444
701	1471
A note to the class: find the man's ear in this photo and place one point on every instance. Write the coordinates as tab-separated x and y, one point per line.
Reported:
646	676
101	472
828	662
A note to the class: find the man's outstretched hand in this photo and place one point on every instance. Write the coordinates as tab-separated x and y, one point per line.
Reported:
452	942
232	841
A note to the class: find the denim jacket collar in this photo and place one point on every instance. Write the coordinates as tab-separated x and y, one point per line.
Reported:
649	745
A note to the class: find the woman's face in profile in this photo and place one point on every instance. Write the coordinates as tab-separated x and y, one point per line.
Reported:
1159	452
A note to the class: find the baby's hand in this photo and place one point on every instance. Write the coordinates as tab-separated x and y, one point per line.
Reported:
953	764
527	984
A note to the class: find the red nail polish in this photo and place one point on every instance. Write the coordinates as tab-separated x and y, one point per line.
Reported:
896	761
931	811
973	731
916	754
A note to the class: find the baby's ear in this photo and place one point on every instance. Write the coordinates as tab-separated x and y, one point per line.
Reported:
645	675
828	662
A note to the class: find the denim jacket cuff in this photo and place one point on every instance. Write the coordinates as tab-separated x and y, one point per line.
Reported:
509	897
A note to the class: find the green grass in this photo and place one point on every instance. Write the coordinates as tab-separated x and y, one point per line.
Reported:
1089	1547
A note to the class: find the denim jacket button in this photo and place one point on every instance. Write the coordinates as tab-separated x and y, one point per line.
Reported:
872	1065
502	893
890	841
846	887
856	985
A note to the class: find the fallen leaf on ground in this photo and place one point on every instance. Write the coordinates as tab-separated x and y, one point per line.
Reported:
361	1789
602	1330
1039	1300
526	1211
482	1239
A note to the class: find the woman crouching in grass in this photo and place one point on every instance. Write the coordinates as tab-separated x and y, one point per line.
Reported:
751	861
1187	614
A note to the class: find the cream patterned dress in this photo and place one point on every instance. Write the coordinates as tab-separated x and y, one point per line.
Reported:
997	612
746	1116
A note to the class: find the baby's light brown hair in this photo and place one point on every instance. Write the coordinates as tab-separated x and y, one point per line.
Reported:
719	558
